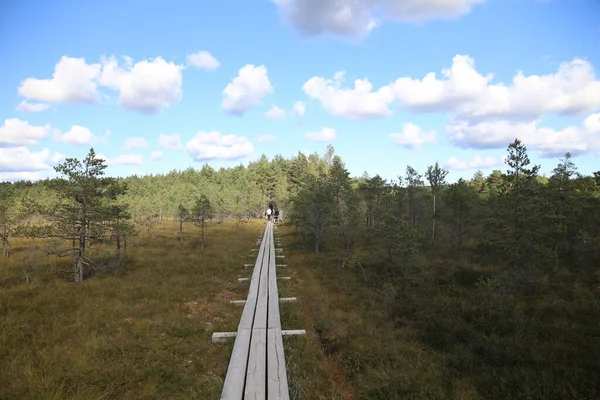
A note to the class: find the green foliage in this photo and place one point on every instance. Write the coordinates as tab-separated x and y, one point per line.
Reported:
85	211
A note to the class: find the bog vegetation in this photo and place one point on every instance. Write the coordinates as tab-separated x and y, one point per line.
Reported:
414	288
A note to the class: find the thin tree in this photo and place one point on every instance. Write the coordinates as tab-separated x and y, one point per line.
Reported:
437	178
83	210
201	213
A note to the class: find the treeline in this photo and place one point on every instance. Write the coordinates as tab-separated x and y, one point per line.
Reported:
516	218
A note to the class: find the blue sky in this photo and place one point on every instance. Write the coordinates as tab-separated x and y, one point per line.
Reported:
157	86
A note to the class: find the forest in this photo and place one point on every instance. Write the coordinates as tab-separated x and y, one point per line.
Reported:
495	281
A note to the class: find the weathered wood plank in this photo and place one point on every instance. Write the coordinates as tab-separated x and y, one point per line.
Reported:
256	379
274	317
277	384
249	311
233	387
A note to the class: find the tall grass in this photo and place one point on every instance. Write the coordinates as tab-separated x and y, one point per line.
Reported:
143	335
447	332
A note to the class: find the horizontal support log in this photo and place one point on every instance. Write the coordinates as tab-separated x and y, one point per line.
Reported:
293	332
223	337
287	299
243	302
283	278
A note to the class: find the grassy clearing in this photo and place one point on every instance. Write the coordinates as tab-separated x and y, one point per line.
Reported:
447	333
444	334
143	335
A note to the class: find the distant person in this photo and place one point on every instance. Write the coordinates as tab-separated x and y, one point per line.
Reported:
276	216
269	214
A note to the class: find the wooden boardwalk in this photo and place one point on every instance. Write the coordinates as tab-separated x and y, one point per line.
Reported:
257	365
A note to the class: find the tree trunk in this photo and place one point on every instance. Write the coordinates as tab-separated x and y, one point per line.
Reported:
4	243
180	230
202	242
433	227
79	256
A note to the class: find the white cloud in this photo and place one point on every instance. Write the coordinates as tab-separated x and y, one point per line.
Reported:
413	136
73	81
324	135
548	142
148	86
156	155
275	113
357	18
126	159
21	159
207	146
468	94
22	176
78	135
299	108
247	90
359	102
170	142
266	138
477	162
203	59
135	143
16	132
25	106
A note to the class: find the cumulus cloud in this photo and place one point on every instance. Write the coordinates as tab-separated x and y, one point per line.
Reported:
126	159
247	90
135	143
548	142
324	135
78	135
203	59
299	108
206	146
123	159
73	81
156	155
465	93
25	106
266	138
16	132
147	86
413	136
359	102
477	162
275	113
22	176
21	159
357	18
170	142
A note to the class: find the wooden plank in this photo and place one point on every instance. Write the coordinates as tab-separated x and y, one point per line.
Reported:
222	337
249	311
274	316
293	332
233	387
256	379
277	384
260	316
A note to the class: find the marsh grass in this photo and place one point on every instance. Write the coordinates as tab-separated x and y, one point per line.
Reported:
448	332
145	334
